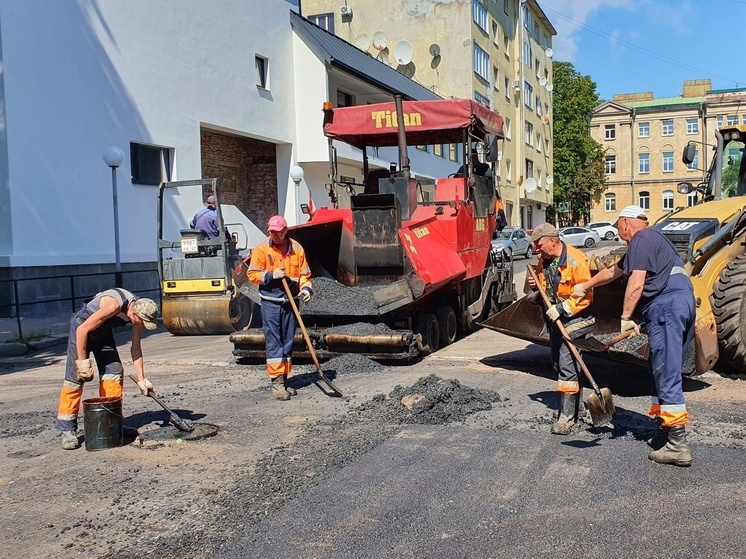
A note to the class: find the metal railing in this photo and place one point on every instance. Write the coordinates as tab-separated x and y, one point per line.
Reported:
76	294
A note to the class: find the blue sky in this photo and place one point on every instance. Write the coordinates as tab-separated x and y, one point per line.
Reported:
651	45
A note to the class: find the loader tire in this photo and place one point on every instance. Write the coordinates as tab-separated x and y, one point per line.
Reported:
447	324
729	307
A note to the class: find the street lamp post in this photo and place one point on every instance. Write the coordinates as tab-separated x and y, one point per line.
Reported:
114	157
296	173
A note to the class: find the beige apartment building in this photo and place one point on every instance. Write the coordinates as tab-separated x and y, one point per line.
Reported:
644	139
497	52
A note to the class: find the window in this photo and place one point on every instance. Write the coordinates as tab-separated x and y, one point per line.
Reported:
644	200
496	78
732	120
536	65
667	127
507	88
421	148
538	142
453	152
508	170
691	199
438	150
610	164
538	178
496	34
507	129
610	202
527	54
529	169
325	21
692	126
643	129
481	63
150	164
479	14
528	95
610	132
668	162
344	99
668	200
743	119
538	106
529	134
506	44
644	162
261	66
481	99
546	145
720	121
695	162
528	17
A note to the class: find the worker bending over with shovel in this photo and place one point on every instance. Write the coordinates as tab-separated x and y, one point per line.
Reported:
656	280
276	258
560	269
91	332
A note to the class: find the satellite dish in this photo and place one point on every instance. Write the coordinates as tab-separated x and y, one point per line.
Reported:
550	179
434	50
549	87
406	69
379	40
542	81
362	42
549	53
545	120
403	52
529	185
383	57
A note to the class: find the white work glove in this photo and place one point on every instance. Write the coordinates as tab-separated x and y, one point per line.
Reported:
553	313
627	324
145	386
278	273
304	295
84	370
579	291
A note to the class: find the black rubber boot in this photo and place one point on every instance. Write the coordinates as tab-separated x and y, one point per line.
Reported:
660	438
675	451
289	389
567	414
278	389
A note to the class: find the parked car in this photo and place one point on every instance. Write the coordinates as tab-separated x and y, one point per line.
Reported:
604	229
512	241
579	236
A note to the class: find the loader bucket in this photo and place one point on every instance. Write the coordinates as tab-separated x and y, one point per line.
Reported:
520	320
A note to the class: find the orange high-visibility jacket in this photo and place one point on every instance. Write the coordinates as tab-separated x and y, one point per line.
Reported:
573	269
266	258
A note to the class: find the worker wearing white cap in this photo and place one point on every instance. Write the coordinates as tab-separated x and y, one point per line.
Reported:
658	284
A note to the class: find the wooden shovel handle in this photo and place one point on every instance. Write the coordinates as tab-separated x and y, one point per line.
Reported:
308	340
563	331
615	340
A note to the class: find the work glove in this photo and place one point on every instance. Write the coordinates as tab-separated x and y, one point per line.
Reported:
628	324
304	295
534	297
145	386
279	273
579	291
84	370
553	313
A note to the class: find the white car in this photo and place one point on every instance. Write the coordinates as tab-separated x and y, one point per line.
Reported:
579	236
604	229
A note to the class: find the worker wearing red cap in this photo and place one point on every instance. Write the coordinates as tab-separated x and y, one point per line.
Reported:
275	258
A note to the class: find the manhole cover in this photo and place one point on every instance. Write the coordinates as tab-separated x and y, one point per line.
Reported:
171	434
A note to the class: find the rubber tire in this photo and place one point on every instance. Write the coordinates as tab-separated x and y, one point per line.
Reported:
589	243
609	235
447	325
427	326
729	308
529	253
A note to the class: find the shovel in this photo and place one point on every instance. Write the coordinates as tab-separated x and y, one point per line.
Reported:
181	424
594	344
322	376
600	403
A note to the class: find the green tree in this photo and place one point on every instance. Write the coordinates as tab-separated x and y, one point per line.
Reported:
579	170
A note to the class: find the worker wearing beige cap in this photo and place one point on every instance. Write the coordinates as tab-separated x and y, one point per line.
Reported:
275	258
659	285
560	268
91	332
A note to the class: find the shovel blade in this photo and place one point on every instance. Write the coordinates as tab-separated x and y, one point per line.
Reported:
601	409
590	344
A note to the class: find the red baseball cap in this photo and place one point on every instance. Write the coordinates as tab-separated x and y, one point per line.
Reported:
277	223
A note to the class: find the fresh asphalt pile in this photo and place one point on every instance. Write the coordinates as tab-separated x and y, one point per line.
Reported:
348	363
335	299
636	344
323	448
360	329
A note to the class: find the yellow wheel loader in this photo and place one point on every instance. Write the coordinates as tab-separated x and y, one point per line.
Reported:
199	288
710	237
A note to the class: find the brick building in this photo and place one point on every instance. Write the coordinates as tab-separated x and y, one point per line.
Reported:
644	138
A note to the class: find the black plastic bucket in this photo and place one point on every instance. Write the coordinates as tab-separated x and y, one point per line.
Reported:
103	423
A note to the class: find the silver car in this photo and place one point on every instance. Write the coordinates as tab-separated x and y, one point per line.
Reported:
511	241
579	236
